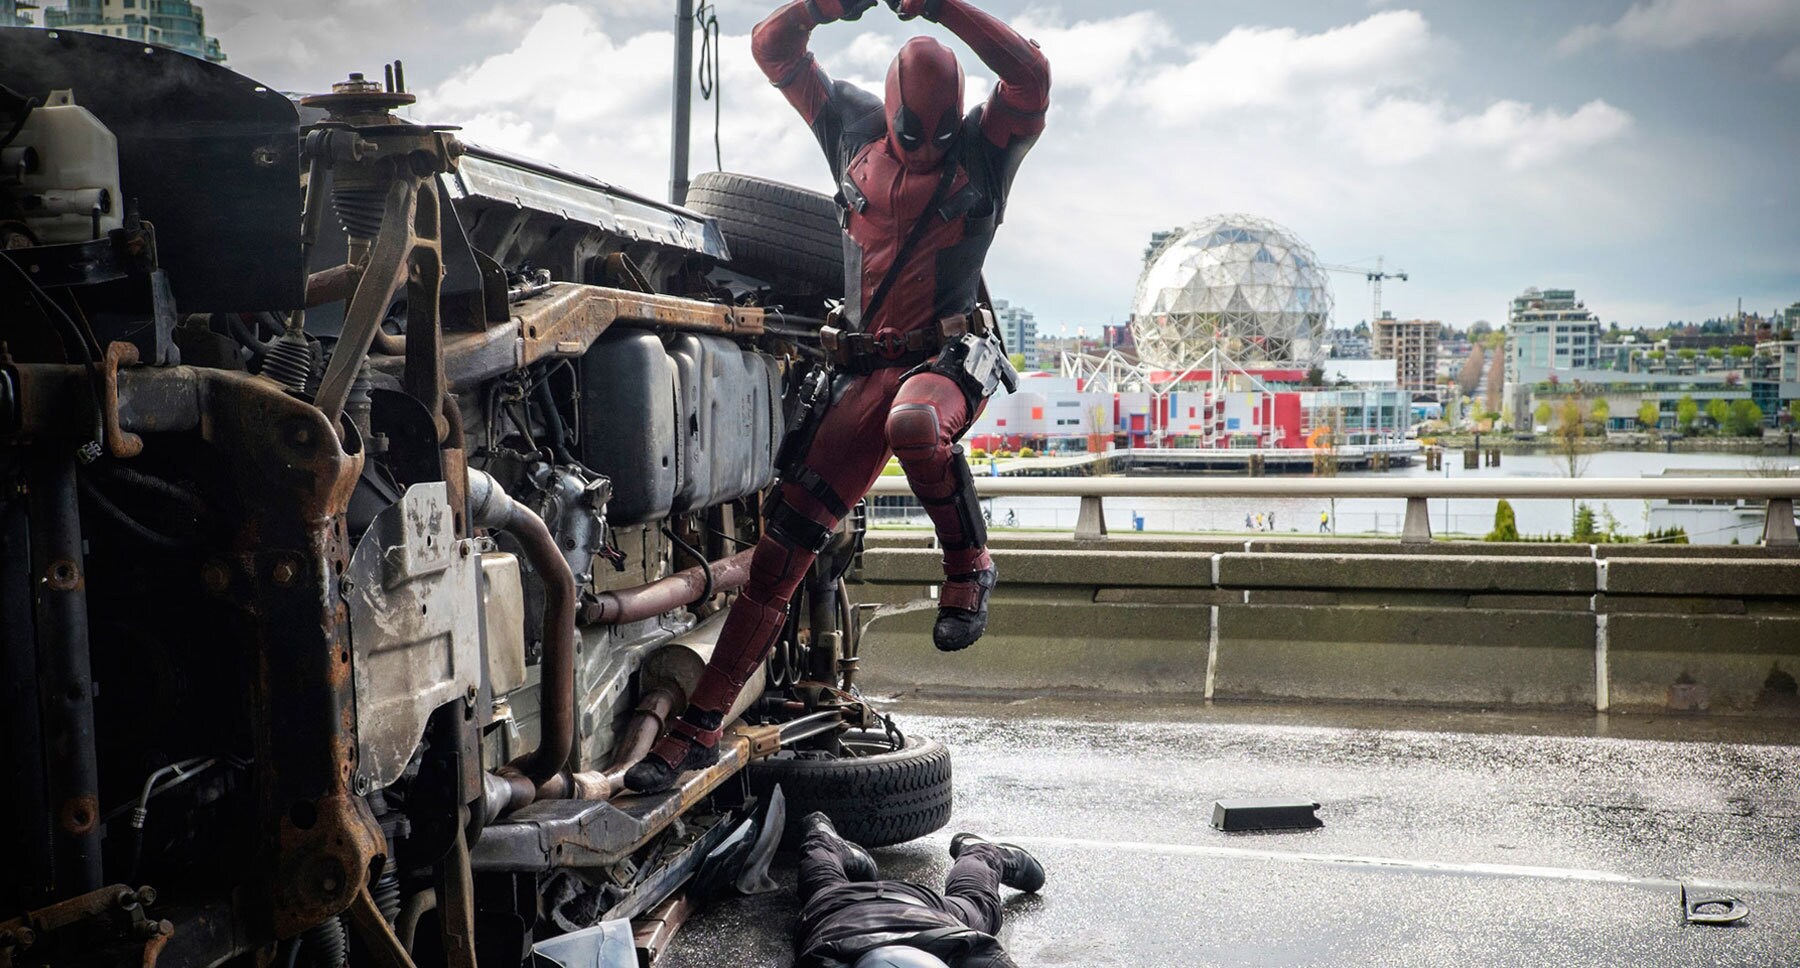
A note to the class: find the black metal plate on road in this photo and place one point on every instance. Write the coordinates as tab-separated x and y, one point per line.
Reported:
210	157
1236	816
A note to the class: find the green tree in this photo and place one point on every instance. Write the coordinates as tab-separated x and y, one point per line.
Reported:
1602	411
1506	524
1715	353
1688	355
1685	412
1017	360
1745	419
1585	528
1658	355
1718	411
1741	352
1541	416
1649	415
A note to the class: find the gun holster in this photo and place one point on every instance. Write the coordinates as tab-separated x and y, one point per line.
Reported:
811	399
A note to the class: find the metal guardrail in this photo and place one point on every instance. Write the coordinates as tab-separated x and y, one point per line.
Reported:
1779	493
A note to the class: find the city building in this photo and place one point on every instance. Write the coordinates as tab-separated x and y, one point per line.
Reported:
1235	284
1547	331
1018	327
1350	344
16	13
1413	344
1775	378
176	24
1790	319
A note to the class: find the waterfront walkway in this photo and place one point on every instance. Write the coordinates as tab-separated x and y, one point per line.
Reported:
1469	839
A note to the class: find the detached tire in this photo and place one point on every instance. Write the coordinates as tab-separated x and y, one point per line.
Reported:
877	800
786	236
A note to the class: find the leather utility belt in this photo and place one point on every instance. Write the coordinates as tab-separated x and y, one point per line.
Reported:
865	353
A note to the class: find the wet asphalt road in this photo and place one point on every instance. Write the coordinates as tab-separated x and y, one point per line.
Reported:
1450	838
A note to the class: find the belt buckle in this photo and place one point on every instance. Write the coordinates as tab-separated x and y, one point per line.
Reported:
890	347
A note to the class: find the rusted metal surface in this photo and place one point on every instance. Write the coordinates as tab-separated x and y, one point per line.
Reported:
424	375
576	833
280	575
113	917
377	935
386	267
456	907
646	725
492	507
565	319
65	692
679	590
654	932
332	285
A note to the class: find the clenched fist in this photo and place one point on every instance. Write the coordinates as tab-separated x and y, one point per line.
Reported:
908	9
826	11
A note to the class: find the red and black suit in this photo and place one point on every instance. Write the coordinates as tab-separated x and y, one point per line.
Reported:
920	179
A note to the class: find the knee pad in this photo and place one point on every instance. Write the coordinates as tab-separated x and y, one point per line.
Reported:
913	427
966	502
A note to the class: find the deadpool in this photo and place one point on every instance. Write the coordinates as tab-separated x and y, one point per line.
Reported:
923	188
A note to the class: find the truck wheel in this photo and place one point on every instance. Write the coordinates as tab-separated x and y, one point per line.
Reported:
883	797
786	236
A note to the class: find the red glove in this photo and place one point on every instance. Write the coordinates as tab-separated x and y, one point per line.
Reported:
826	11
908	9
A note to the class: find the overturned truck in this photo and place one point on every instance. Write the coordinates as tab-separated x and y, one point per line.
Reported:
368	501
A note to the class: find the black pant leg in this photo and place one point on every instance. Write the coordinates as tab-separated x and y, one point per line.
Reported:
972	888
821	867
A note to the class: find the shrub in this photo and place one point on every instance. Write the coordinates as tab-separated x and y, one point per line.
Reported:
1506	524
1027	452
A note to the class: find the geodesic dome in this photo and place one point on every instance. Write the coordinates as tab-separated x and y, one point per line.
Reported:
1236	281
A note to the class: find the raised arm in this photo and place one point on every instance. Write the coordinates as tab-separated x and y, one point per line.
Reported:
779	46
1016	110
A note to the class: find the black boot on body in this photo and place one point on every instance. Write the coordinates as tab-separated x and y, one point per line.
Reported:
1020	870
858	865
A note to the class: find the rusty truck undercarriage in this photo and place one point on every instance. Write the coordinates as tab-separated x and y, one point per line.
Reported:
368	500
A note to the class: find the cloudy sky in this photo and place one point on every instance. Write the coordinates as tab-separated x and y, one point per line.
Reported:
1644	153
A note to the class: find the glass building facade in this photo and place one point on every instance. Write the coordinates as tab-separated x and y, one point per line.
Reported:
175	24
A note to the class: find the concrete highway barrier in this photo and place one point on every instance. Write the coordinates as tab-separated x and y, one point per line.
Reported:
1618	628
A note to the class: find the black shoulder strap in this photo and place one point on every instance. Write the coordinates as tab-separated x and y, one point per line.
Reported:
952	161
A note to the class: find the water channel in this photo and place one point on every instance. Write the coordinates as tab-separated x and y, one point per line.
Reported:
1374	516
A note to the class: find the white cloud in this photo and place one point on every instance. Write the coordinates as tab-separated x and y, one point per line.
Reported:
1676	24
1789	66
1362	138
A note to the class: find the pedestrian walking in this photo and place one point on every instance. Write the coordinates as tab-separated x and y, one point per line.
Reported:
1324	522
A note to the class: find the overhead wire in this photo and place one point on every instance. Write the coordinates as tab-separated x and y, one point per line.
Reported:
711	80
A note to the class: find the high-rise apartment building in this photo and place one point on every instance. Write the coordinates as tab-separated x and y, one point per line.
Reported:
176	24
1413	345
1550	330
1019	328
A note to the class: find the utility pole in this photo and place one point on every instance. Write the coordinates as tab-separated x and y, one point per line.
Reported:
684	95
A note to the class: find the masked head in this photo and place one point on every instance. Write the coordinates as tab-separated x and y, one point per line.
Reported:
924	103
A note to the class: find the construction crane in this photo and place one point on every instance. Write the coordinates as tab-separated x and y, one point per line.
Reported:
1375	276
